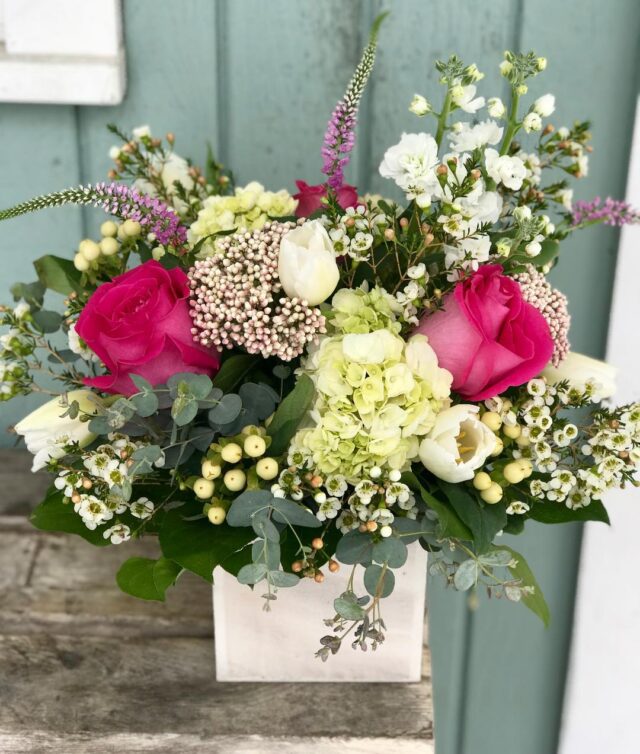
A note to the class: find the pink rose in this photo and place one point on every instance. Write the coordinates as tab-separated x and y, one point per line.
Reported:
487	335
139	323
310	197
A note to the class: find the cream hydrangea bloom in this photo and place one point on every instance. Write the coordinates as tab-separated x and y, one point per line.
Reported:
376	396
249	208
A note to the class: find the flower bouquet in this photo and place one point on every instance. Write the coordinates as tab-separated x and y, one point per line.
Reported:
286	385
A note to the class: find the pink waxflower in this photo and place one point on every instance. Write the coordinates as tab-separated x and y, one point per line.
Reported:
487	335
310	197
139	323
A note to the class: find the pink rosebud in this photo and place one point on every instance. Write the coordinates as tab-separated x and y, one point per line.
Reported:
139	323
310	197
487	335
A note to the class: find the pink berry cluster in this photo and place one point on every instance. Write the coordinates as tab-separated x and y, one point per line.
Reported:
552	304
237	298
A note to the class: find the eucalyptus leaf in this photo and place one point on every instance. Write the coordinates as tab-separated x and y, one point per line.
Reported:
266	551
184	409
283	579
466	575
265	528
355	547
47	321
287	512
197	385
146	404
227	410
377	584
259	399
246	505
252	573
391	550
347	607
495	558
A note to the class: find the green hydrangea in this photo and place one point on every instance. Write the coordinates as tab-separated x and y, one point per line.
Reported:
376	395
360	311
248	209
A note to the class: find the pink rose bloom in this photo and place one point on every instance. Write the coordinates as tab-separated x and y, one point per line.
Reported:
139	323
310	197
487	335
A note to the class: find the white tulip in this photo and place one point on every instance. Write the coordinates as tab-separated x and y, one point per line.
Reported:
46	432
578	369
458	444
307	263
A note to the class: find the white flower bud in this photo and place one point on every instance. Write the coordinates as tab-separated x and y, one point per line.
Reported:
532	122
419	105
386	531
307	263
114	153
545	105
496	108
533	248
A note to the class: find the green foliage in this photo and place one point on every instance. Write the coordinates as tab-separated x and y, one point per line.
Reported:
290	414
451	525
557	513
536	601
355	547
58	274
46	321
484	521
198	546
32	293
347	607
233	370
146	578
391	551
146	401
379	581
54	515
227	410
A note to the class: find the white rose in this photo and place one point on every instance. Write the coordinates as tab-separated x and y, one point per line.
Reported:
510	171
411	164
45	431
545	105
458	444
578	369
373	347
307	263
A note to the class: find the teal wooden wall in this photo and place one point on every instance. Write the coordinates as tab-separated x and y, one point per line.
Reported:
258	80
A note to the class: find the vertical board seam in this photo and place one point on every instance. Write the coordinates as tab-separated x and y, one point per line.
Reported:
222	89
84	211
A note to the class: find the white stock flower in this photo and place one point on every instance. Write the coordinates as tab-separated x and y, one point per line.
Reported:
45	432
496	108
458	444
579	369
532	122
467	138
411	164
504	169
307	263
545	105
463	97
419	105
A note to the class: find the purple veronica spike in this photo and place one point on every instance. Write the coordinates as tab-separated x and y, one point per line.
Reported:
609	212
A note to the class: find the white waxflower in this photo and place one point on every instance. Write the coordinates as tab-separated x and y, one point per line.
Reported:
458	444
92	511
504	169
579	370
473	249
419	105
46	432
517	507
545	105
141	131
78	346
307	263
142	508
532	122
411	164
565	197
328	508
463	97
117	534
336	484
21	309
114	153
417	272
496	108
466	138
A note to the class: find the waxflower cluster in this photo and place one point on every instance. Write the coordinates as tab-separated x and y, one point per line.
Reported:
279	384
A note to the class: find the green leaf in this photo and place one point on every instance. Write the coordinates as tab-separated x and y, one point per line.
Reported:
557	513
227	410
391	551
283	579
236	560
258	398
466	575
54	515
347	607
290	414
252	573
184	409
47	321
32	293
550	250
146	578
146	404
452	525
484	521
58	274
246	505
536	601
355	547
144	458
288	512
233	370
376	584
197	545
197	385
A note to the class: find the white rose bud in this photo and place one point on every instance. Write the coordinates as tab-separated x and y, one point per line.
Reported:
579	369
545	105
419	105
532	122
307	263
45	431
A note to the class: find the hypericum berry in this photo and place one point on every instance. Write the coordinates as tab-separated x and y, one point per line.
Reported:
493	494
235	480
131	228
513	473
109	246
109	229
317	543
319	577
267	468
512	431
297	566
231	453
203	488
334	566
216	515
492	420
482	481
89	249
255	446
211	470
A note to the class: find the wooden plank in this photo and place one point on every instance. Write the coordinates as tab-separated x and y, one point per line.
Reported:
162	686
20	488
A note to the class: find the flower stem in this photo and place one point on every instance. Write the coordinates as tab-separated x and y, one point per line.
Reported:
512	125
442	118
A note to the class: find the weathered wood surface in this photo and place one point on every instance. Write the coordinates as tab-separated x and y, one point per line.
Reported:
85	668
